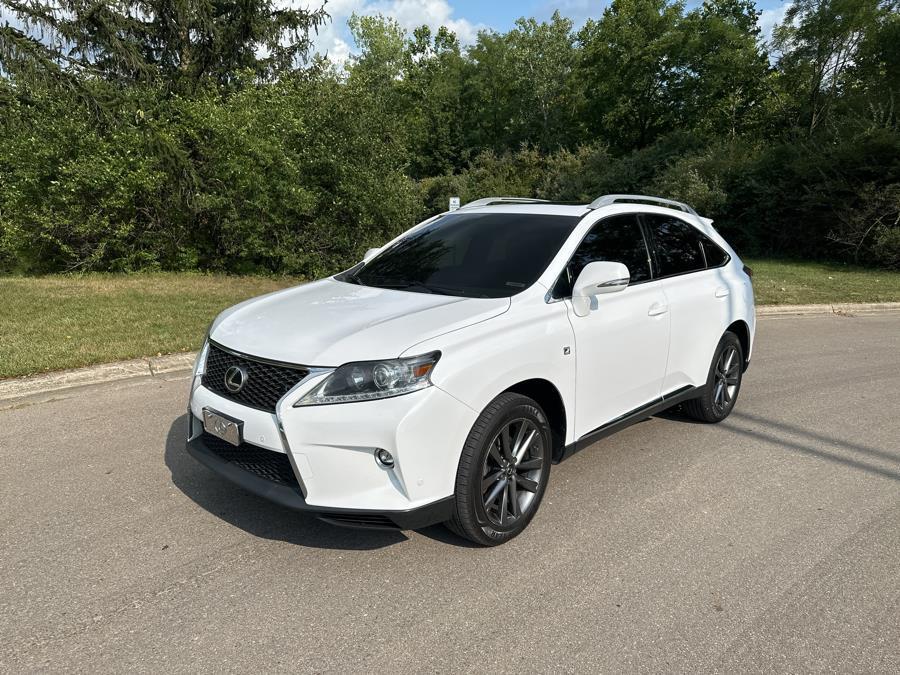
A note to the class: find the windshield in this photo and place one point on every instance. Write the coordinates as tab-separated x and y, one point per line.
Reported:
476	255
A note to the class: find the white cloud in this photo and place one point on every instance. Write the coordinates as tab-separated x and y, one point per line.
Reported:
339	51
334	38
768	19
579	11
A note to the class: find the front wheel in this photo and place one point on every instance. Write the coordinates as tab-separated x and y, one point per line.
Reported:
723	384
503	471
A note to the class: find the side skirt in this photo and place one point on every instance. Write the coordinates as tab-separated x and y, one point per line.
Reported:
626	420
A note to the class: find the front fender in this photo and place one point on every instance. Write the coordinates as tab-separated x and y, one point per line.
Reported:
528	342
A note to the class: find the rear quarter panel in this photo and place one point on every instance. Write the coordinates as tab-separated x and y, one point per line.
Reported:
699	319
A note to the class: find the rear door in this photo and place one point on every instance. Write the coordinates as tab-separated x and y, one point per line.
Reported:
621	344
697	295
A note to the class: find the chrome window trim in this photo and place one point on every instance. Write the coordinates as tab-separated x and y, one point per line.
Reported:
642	214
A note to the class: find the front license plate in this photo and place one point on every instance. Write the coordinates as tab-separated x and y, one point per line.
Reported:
226	428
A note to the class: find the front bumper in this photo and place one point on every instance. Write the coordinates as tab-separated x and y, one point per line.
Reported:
292	497
327	453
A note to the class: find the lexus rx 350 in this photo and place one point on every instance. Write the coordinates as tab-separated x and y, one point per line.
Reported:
442	377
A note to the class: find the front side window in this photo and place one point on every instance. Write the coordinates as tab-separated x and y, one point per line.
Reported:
476	255
614	239
677	245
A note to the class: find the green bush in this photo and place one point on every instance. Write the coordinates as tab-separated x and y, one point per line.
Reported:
254	156
292	178
280	178
76	194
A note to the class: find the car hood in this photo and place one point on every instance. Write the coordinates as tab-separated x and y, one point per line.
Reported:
330	322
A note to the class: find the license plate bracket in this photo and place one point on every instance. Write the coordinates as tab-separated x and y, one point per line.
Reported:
222	426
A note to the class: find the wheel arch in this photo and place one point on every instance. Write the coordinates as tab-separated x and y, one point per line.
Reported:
546	395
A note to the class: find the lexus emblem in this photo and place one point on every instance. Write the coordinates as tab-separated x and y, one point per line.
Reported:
235	378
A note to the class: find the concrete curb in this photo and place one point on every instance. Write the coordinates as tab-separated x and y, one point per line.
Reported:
108	372
842	309
148	367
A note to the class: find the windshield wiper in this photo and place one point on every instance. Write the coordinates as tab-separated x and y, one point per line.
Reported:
410	285
402	285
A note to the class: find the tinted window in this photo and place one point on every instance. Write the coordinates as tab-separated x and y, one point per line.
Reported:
486	255
677	245
615	239
715	256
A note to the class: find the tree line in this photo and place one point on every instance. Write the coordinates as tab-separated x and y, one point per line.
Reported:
178	134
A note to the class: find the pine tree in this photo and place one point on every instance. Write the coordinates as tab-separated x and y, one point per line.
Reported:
176	43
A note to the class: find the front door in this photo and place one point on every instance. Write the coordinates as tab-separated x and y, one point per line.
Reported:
622	344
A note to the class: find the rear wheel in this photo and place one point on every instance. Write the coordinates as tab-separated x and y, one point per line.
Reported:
723	383
503	471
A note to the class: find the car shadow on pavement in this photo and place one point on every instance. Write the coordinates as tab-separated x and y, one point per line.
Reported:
255	515
676	414
804	441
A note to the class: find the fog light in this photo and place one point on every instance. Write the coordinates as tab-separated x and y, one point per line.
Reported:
384	458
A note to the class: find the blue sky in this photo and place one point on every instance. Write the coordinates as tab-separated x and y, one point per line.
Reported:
501	15
467	17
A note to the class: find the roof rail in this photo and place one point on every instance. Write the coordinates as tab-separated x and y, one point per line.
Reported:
606	200
488	201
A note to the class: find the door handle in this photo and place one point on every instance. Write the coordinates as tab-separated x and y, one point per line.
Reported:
657	308
722	292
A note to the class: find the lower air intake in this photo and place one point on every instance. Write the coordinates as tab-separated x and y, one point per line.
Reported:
268	464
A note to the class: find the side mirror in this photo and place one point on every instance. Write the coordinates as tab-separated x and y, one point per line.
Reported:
371	253
595	279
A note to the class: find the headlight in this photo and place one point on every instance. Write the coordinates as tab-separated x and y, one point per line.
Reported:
368	380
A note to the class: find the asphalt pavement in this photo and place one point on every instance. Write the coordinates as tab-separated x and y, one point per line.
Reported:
768	543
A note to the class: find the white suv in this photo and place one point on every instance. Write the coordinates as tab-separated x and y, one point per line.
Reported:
439	379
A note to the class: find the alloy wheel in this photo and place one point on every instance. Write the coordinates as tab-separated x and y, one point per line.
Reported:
727	378
511	472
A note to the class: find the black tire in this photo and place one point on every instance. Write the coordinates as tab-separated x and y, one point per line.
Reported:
485	467
722	385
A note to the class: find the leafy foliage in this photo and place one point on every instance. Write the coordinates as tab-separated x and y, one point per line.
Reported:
199	135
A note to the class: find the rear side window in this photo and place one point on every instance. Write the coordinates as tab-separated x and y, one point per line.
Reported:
614	239
678	248
715	256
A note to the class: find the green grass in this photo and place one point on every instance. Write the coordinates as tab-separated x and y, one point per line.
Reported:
56	322
778	282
